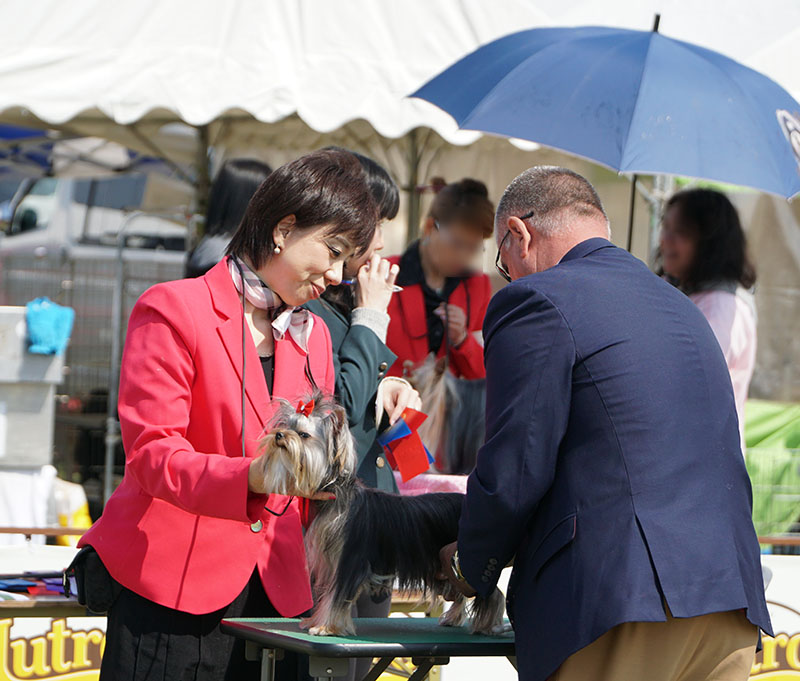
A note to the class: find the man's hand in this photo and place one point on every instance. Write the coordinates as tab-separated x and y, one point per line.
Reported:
446	559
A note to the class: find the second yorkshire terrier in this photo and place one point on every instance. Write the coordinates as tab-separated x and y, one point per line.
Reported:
364	540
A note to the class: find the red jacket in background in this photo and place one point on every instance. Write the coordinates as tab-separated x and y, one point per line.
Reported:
178	528
408	329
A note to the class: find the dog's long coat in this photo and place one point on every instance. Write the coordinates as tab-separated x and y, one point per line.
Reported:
365	540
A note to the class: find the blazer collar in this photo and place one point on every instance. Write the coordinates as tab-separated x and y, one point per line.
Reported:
584	248
224	297
290	360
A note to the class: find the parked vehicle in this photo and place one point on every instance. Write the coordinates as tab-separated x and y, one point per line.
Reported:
59	239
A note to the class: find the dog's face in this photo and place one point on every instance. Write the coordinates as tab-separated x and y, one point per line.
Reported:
309	447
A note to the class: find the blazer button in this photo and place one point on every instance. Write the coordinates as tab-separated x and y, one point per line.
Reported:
383	366
491	567
487	573
484	578
256	526
493	561
380	462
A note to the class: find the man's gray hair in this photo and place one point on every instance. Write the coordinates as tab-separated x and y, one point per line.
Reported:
554	195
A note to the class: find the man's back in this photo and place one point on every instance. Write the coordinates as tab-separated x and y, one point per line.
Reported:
633	489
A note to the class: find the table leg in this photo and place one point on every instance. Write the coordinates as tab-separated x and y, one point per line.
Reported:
328	667
268	658
378	668
424	666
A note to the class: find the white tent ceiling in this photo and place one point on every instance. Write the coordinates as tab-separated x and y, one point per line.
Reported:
327	61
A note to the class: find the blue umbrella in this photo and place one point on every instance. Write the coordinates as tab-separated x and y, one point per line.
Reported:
635	101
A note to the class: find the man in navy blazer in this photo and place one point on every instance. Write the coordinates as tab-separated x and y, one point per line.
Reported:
612	473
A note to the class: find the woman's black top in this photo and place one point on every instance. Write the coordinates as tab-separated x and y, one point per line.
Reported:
268	365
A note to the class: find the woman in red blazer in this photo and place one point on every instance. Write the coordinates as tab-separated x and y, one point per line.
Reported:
191	535
441	307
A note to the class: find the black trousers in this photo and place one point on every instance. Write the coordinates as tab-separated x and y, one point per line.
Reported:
149	642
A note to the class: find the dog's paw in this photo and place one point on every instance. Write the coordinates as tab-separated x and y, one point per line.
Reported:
319	629
502	628
323	630
454	617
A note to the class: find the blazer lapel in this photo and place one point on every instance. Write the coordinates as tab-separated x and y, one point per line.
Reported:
229	306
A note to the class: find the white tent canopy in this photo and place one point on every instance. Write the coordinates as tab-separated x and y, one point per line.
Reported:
148	63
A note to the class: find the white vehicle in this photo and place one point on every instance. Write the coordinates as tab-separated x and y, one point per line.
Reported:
58	238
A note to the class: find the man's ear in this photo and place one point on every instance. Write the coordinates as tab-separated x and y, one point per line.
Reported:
520	236
283	229
428	225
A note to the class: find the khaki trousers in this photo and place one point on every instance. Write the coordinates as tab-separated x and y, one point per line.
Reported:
716	647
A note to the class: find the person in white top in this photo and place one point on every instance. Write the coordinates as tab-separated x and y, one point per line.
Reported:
703	251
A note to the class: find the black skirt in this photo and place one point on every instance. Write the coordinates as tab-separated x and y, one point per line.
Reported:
146	641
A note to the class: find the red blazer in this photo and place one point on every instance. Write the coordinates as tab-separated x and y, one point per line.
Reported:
178	529
408	328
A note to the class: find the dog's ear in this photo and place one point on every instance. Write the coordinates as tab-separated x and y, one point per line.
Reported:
341	444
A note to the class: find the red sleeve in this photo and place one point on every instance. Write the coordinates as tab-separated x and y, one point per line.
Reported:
468	357
155	397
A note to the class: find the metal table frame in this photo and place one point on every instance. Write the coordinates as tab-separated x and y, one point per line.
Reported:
421	639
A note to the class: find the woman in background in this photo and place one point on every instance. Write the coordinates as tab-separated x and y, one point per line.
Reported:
231	191
703	250
444	300
437	319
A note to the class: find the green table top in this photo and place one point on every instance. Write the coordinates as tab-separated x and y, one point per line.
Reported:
375	637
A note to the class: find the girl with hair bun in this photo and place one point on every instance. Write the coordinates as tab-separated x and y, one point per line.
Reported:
439	313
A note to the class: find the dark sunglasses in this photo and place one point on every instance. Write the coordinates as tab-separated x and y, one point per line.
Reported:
501	268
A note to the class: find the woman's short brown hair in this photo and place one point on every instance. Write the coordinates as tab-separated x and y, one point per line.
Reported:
325	187
465	202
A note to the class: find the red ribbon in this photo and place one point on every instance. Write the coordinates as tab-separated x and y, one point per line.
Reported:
305	408
407	454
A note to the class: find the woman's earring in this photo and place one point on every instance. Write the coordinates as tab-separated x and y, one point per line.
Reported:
276	250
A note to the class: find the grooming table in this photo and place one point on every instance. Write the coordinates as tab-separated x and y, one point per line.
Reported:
421	639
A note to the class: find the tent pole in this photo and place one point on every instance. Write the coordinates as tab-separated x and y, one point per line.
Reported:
630	211
413	182
203	173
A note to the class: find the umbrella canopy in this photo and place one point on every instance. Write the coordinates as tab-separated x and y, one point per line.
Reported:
638	102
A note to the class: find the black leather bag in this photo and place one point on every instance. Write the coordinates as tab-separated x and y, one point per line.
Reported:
88	580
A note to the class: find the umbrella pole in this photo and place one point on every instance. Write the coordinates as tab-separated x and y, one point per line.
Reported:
630	211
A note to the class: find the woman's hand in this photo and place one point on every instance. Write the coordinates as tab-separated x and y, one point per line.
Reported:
397	396
375	281
456	320
256	479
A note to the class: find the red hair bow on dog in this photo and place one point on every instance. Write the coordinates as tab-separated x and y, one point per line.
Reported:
305	408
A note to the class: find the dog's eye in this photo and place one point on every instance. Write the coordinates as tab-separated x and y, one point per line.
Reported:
305	436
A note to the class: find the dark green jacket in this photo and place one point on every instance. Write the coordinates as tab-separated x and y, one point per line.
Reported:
360	360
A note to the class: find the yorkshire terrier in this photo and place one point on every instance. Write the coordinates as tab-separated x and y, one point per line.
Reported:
364	540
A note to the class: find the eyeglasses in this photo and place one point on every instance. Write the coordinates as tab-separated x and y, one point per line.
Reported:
501	268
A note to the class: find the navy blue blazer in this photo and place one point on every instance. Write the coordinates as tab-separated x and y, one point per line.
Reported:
612	471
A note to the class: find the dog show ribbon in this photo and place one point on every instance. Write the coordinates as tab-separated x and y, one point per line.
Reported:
403	446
